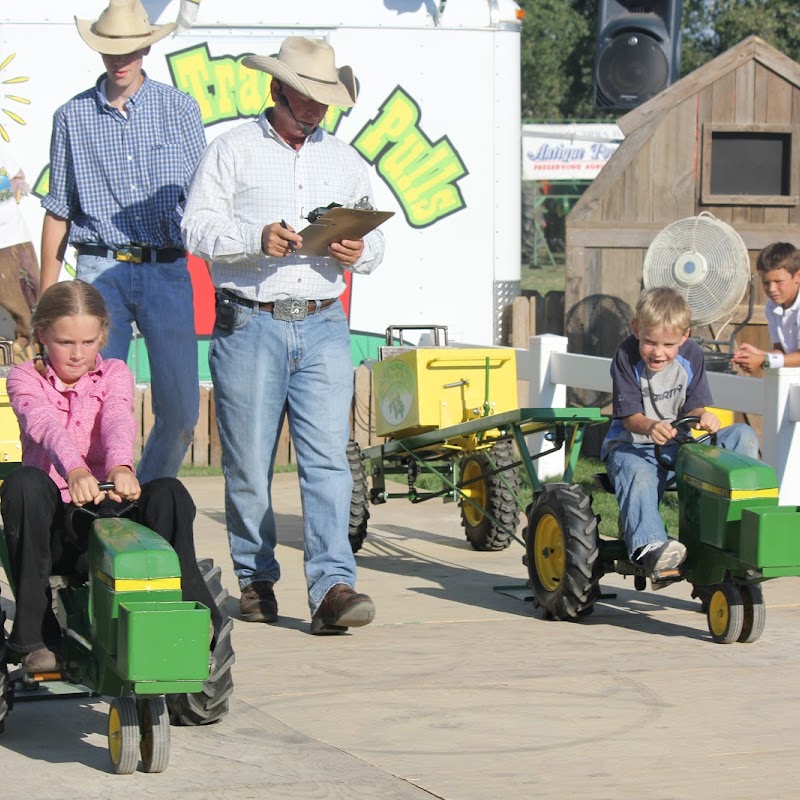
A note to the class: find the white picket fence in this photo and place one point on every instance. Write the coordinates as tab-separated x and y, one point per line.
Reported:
549	369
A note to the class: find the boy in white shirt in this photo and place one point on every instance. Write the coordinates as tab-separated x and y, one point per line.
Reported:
779	267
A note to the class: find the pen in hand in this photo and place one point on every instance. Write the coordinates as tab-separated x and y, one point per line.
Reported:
291	244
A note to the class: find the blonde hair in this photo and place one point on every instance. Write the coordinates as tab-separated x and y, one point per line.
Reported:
662	307
68	299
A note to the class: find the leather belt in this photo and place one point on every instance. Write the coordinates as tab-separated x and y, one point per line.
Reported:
311	306
133	253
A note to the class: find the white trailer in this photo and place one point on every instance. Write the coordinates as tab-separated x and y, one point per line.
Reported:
437	120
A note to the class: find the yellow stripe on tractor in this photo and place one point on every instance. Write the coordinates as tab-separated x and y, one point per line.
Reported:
134	585
730	494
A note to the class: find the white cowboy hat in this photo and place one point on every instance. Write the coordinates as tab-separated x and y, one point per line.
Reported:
308	66
122	28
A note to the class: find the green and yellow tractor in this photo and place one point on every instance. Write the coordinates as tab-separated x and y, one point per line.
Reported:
736	536
126	633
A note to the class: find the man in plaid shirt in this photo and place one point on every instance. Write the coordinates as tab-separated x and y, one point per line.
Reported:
122	156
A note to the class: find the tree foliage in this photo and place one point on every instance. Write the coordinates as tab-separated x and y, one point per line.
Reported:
710	27
557	55
558	46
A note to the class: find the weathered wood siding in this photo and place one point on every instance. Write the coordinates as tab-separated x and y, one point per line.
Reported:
654	179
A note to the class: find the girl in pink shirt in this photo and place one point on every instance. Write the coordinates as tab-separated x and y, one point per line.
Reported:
77	428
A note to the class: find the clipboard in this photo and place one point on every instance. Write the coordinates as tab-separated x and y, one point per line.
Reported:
338	224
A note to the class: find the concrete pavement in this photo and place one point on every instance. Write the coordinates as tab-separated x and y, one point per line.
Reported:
455	691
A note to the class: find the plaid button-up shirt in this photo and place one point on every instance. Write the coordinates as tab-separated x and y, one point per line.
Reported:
248	178
121	179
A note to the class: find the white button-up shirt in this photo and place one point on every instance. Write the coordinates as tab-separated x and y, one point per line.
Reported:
248	178
783	324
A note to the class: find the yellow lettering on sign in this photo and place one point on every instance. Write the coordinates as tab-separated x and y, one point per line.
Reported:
422	175
223	88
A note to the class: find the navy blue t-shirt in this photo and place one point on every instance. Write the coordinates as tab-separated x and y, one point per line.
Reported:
680	387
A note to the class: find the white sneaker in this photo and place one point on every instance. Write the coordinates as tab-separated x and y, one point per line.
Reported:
660	556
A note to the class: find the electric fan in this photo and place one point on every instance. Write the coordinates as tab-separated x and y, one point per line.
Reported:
705	260
595	326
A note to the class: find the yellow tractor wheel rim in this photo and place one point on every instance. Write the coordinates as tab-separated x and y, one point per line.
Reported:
475	492
719	613
549	554
114	735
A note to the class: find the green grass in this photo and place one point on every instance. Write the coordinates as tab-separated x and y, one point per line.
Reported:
605	505
544	279
190	471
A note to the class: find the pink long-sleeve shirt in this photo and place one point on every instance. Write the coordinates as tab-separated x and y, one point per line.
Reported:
90	424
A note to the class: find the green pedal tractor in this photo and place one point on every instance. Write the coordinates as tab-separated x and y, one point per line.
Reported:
736	537
128	634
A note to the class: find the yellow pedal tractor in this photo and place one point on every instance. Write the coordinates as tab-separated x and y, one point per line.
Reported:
452	413
126	632
736	536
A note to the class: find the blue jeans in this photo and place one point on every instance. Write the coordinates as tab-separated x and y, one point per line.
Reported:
263	369
158	298
639	483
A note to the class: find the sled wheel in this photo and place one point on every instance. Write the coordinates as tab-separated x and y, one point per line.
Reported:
123	735
725	613
210	704
563	553
359	499
490	497
754	612
154	726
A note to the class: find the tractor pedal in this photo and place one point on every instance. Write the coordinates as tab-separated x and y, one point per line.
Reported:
41	677
32	680
664	577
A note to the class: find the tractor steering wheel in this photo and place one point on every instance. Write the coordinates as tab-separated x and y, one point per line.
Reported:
682	438
107	508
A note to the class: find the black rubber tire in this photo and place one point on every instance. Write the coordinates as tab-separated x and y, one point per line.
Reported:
211	704
569	585
481	532
6	696
755	613
359	499
6	688
123	736
155	734
725	613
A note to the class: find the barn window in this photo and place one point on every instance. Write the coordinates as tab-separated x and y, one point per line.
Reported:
750	165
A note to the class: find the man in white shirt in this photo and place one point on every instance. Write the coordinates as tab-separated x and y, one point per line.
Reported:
281	342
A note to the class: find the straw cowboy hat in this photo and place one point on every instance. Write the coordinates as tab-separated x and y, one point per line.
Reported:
308	66
122	28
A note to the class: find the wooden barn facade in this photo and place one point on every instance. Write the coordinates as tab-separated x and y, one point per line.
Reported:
671	166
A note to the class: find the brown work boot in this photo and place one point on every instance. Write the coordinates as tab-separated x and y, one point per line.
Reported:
342	608
41	660
258	603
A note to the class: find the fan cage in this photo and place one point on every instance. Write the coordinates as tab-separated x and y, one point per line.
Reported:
726	257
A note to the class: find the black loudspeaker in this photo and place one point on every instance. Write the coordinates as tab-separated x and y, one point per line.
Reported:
638	51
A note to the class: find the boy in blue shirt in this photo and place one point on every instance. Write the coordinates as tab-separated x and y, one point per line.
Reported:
658	375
